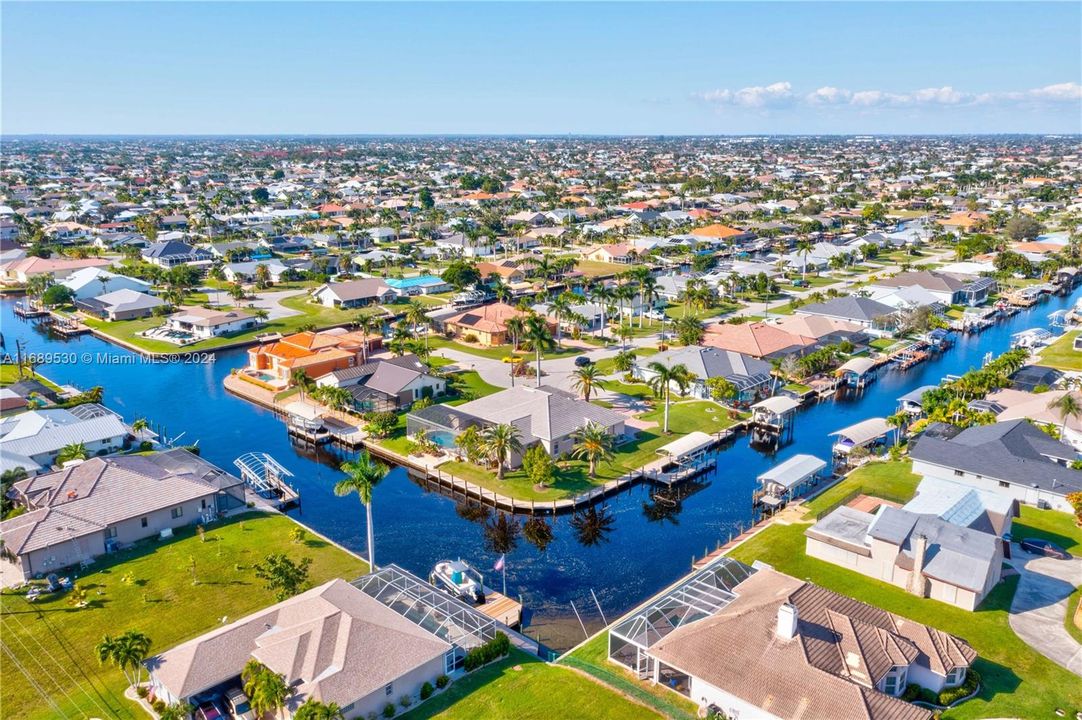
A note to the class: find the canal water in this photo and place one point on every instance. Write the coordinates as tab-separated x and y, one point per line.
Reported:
643	547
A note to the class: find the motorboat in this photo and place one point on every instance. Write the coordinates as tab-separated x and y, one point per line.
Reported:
457	578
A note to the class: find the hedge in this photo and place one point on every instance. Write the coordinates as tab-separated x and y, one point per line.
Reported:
493	649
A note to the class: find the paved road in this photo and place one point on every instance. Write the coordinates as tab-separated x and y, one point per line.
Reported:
1040	606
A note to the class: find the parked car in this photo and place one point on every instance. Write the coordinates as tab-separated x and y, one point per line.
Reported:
583	361
1043	547
209	710
655	315
238	704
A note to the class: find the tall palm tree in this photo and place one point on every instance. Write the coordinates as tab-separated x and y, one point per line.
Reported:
1068	407
648	295
416	316
899	421
603	295
516	327
585	379
366	324
363	474
592	443
560	307
804	247
663	380
498	443
538	338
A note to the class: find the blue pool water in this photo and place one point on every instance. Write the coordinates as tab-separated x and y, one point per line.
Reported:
647	547
412	282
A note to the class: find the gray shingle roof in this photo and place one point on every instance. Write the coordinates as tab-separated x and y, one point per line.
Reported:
849	307
552	413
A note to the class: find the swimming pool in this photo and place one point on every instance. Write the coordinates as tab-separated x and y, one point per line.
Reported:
413	282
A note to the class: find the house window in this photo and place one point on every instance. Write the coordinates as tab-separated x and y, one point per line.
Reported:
110	532
956	676
348	708
389	690
176	512
894	682
1003	483
203	504
958	473
142	522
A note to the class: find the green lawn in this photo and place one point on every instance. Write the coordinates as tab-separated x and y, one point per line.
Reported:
499	352
1058	527
675	311
311	314
607	366
891	480
9	373
1069	619
463	386
148	588
637	390
1061	354
592	657
521	687
1017	681
572	477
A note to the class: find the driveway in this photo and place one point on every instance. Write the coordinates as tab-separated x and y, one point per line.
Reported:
269	302
1040	606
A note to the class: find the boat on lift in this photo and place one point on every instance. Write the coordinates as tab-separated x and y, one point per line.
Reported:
459	579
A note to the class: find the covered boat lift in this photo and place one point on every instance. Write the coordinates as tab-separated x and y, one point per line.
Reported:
690	454
773	418
912	403
783	482
858	372
267	477
306	422
865	434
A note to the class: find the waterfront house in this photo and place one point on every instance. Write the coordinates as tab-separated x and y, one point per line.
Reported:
90	508
203	323
355	293
1013	458
719	234
854	309
543	415
508	273
1039	408
946	288
751	376
757	644
824	330
920	552
122	304
94	281
21	270
33	439
170	253
964	505
386	384
317	353
619	253
486	324
418	285
757	339
353	644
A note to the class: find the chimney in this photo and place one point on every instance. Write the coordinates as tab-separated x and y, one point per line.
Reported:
917	584
787	618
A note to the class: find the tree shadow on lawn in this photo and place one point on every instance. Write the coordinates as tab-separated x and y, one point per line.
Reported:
475	681
1021	531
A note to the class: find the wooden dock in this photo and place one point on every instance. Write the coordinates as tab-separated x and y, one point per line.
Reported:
501	608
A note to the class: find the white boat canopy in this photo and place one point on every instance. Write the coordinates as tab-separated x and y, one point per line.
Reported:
793	471
864	431
857	365
684	447
302	410
779	404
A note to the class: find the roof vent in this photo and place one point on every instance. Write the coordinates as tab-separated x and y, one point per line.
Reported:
787	619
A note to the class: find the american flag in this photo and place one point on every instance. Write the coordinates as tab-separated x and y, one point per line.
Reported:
499	563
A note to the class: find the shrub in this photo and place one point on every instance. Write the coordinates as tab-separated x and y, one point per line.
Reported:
388	710
469	338
159	706
442	681
405	701
912	692
427	690
142	691
493	649
952	695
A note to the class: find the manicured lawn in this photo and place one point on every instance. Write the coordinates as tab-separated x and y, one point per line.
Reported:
797	388
1057	527
521	687
1061	354
499	352
882	343
311	314
1017	681
469	386
148	588
594	268
9	373
592	657
891	480
607	366
1072	612
677	310
638	390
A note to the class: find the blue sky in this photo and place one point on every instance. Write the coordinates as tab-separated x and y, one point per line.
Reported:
541	68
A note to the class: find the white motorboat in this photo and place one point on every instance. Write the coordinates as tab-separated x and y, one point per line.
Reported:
460	580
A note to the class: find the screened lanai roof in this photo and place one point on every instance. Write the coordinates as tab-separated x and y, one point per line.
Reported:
702	595
435	611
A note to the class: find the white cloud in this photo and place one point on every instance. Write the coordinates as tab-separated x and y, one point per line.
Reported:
781	93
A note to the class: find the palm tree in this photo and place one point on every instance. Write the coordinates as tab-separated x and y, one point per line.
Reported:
592	443
498	442
1068	407
804	247
416	316
585	379
663	380
516	327
313	709
74	451
898	420
363	474
127	651
603	295
267	691
538	338
366	324
560	307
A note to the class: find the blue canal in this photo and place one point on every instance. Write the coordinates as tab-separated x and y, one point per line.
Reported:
645	548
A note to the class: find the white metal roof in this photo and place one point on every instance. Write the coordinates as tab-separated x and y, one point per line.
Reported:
778	404
864	431
793	471
687	445
858	365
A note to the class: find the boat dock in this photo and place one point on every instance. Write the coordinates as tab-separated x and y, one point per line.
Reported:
267	478
30	309
682	459
501	608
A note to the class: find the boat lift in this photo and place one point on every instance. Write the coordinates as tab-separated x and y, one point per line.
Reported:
267	477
